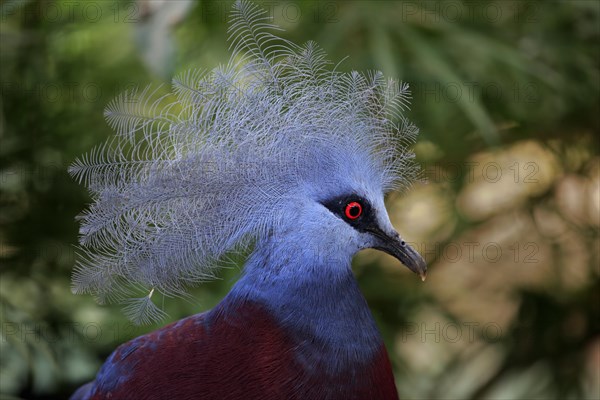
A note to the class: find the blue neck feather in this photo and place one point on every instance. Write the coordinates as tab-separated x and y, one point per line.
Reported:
317	302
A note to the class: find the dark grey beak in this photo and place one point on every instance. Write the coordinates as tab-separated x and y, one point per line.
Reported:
398	248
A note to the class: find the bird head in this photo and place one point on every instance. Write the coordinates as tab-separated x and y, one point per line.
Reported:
338	209
275	144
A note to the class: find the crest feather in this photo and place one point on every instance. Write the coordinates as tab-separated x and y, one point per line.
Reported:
171	189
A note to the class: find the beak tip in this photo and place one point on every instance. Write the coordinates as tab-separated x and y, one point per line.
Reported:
398	248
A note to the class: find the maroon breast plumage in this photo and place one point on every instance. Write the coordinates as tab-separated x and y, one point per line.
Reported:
232	352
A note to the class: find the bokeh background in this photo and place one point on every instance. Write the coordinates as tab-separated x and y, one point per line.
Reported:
507	96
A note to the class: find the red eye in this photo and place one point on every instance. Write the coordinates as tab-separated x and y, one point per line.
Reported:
353	210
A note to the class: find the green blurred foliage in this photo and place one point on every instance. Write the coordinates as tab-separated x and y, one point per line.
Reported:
493	82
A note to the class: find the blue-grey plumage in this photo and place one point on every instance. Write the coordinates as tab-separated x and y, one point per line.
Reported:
226	160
